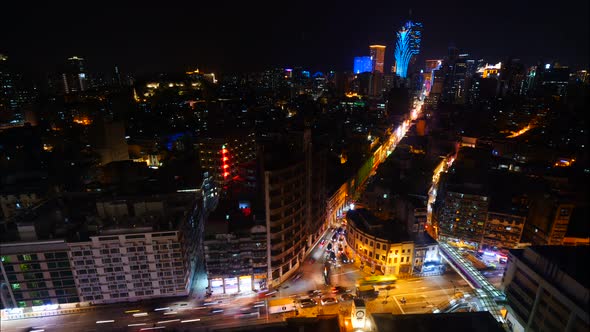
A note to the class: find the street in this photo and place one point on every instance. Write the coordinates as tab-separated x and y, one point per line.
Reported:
421	295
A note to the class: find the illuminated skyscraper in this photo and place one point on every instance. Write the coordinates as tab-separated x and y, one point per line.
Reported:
362	64
377	57
74	76
407	45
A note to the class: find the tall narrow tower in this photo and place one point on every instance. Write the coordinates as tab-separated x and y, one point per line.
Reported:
377	57
407	46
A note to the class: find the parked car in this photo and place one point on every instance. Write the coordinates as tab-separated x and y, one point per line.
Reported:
340	290
346	297
306	303
328	301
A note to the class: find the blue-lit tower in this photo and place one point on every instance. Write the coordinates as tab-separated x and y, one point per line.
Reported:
362	64
407	45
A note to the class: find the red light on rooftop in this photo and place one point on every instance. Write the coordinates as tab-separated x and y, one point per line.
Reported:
223	150
225	158
225	166
225	174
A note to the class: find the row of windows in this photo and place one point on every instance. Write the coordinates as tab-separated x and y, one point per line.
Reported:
35	257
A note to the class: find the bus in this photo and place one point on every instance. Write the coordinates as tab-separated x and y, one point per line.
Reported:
377	280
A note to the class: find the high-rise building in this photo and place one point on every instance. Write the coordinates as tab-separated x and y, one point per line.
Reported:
222	154
407	46
362	64
292	180
75	76
377	58
15	96
547	289
108	139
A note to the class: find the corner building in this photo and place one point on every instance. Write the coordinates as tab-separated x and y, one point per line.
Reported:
286	219
385	245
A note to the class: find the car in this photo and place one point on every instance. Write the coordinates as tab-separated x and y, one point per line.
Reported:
340	290
332	256
339	230
329	301
346	297
344	258
315	292
322	242
306	303
329	247
215	311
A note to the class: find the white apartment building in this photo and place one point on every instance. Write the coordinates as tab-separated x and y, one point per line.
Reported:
131	266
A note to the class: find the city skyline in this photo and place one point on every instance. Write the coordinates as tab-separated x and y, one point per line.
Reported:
349	167
149	39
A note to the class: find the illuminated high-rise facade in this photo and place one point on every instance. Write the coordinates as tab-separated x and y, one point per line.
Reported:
362	64
74	76
377	58
407	46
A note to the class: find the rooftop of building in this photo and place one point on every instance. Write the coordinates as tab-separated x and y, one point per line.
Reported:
567	258
281	155
469	173
75	217
390	230
457	322
506	187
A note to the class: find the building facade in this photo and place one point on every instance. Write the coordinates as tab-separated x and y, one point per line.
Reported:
286	220
221	156
362	64
545	290
502	230
388	250
377	58
35	274
462	218
237	263
407	46
127	267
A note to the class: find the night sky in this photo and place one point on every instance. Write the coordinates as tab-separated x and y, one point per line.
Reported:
223	36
